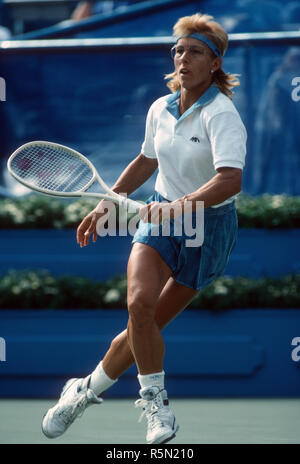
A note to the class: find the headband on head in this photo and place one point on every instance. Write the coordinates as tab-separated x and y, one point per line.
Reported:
204	39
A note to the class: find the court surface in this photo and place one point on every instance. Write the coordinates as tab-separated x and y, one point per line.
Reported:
202	421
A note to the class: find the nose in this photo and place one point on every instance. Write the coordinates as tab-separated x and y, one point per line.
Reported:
185	55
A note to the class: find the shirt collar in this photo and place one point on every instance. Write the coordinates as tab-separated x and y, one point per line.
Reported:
206	97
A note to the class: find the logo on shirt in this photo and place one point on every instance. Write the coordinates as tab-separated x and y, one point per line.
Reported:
195	139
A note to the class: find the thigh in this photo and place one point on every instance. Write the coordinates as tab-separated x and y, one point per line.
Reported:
147	274
173	299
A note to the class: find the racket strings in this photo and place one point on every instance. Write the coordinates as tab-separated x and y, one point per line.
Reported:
51	168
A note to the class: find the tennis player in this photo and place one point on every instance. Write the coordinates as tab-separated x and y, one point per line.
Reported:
197	141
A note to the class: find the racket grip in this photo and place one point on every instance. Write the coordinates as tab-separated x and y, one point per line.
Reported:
131	205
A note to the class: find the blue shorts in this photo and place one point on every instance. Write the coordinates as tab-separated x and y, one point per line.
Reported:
195	267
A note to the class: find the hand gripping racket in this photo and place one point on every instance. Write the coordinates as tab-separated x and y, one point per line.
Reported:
57	170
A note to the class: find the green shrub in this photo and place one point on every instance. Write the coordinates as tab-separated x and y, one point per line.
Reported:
40	290
37	211
41	212
269	211
241	292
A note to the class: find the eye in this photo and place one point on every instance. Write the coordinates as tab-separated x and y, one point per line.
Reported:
176	51
197	51
179	50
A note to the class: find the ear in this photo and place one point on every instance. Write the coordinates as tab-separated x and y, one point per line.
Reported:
216	64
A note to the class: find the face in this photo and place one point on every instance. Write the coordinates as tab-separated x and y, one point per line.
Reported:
193	62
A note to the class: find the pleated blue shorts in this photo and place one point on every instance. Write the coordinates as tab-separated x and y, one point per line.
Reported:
194	267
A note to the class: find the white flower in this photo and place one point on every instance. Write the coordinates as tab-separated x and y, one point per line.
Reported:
277	201
220	289
112	296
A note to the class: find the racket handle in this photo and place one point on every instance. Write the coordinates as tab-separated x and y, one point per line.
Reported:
127	203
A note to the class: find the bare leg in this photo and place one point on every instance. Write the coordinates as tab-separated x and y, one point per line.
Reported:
147	274
172	300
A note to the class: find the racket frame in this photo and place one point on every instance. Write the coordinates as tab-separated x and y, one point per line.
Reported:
109	195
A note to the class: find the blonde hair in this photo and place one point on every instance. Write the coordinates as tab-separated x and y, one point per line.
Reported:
204	24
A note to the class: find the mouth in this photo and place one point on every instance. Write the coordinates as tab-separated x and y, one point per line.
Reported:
184	72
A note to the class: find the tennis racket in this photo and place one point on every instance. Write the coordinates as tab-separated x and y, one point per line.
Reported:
56	170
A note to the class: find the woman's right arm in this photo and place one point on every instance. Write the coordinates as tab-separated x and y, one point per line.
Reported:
133	176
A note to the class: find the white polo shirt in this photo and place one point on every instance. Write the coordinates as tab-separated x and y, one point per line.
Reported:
191	147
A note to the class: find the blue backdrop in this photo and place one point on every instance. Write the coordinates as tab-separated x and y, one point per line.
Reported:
94	97
137	18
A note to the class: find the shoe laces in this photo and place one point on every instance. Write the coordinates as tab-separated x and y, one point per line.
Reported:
69	412
143	404
152	410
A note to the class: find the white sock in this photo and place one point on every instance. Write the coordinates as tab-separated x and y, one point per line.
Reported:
100	381
152	380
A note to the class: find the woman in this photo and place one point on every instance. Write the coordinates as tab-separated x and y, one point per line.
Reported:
197	140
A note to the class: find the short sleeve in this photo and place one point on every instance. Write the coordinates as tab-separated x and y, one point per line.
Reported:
228	137
148	148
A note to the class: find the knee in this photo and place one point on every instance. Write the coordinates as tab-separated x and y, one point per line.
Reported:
141	314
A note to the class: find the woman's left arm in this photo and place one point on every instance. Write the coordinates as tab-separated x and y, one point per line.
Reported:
226	183
227	135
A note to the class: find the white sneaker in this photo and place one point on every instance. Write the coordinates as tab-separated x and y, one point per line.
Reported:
76	396
162	425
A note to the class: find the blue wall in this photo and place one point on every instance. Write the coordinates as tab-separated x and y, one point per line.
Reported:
257	253
94	97
239	353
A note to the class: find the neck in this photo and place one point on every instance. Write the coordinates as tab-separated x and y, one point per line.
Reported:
189	97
